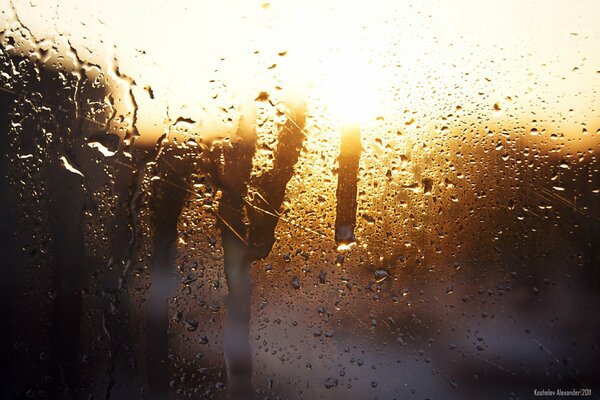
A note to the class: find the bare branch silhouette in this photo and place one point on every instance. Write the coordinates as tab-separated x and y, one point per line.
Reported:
247	231
270	187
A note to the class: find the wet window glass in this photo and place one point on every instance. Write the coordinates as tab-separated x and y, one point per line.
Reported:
299	200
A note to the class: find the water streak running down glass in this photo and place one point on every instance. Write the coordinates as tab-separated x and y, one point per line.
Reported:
251	200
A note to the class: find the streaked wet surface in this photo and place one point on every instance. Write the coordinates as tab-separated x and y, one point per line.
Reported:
273	246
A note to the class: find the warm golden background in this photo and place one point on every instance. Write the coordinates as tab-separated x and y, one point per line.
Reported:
476	264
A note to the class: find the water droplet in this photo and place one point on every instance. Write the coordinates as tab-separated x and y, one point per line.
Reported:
380	275
331	382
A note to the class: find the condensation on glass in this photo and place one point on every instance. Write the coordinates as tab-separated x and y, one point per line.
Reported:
299	201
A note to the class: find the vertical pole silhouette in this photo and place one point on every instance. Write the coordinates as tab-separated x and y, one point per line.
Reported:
167	203
350	150
237	168
8	249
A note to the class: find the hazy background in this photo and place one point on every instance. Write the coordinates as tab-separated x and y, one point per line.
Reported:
476	265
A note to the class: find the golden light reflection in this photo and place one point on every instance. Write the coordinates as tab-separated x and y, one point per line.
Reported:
352	61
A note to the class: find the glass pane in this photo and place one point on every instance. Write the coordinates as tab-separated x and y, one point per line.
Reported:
317	200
